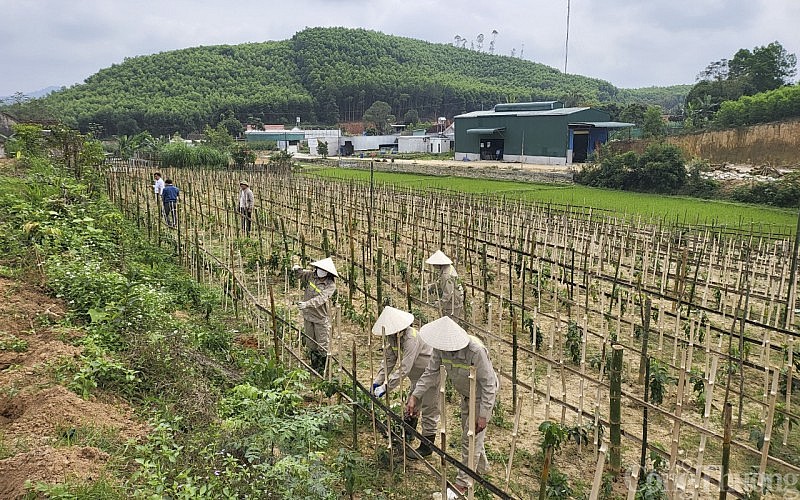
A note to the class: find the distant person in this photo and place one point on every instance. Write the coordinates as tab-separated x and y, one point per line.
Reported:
448	292
246	202
458	351
158	184
169	196
402	339
317	309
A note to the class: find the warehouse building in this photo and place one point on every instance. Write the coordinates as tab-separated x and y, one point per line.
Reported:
532	132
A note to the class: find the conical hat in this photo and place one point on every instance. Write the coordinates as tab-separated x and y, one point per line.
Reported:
391	321
244	183
444	334
439	259
327	265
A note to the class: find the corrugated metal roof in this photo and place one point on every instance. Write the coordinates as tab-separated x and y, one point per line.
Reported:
545	112
604	124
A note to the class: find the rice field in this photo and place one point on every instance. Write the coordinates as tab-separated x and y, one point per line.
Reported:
626	204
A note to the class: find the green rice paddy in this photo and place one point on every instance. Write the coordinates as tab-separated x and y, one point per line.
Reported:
625	204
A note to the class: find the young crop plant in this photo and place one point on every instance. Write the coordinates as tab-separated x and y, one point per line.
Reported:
659	379
572	345
534	332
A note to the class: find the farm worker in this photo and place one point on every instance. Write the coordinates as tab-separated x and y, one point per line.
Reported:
448	291
316	308
400	335
158	184
246	202
169	195
458	351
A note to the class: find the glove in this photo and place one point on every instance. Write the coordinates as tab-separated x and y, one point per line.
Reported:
302	305
295	267
380	390
373	387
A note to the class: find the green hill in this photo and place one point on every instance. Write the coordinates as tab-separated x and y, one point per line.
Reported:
322	75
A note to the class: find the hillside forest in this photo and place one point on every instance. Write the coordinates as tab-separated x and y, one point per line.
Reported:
321	75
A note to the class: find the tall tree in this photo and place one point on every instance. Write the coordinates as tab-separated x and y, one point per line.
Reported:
765	68
379	115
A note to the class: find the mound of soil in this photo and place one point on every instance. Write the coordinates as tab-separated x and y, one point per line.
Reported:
35	410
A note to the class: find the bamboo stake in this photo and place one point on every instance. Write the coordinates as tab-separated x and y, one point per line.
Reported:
598	473
676	428
514	434
773	397
443	427
471	430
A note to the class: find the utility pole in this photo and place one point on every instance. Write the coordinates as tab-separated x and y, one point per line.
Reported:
566	44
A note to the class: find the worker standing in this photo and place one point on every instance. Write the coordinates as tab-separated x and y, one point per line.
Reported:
246	203
317	309
402	337
448	292
458	351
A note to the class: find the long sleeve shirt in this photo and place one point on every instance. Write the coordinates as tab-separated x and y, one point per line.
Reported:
448	292
317	295
416	355
246	199
158	186
457	364
169	194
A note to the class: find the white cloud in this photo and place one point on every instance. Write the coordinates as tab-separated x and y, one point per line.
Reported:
627	42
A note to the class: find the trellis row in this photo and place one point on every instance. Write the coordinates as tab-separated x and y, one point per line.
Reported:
584	254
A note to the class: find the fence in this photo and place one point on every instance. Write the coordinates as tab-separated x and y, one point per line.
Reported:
550	290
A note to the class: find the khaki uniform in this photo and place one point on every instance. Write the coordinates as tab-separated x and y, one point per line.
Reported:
457	364
317	314
416	356
449	293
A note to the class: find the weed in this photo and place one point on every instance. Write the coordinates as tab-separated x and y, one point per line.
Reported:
13	343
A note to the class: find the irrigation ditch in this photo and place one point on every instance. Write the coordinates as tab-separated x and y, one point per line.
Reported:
704	318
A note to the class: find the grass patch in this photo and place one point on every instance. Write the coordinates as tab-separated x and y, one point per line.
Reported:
624	204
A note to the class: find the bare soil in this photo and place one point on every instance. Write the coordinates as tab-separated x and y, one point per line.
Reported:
38	415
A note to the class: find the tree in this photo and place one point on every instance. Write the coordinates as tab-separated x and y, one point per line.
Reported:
322	148
747	73
652	123
219	138
633	113
379	114
411	117
765	68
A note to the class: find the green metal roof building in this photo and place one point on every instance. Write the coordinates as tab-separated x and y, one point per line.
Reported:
532	132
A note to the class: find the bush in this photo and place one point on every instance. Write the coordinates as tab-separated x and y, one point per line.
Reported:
178	154
660	169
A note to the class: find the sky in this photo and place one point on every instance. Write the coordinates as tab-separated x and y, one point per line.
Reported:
630	43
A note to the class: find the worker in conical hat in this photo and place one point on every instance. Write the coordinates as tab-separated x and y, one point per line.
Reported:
447	291
458	351
317	309
401	336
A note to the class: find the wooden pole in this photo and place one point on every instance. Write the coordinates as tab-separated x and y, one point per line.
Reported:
471	429
443	427
726	451
514	434
598	473
773	397
615	411
355	396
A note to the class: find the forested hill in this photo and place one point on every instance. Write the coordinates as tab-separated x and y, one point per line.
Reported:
322	75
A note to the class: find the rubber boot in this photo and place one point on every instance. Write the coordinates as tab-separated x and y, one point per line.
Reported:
423	450
411	422
318	361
